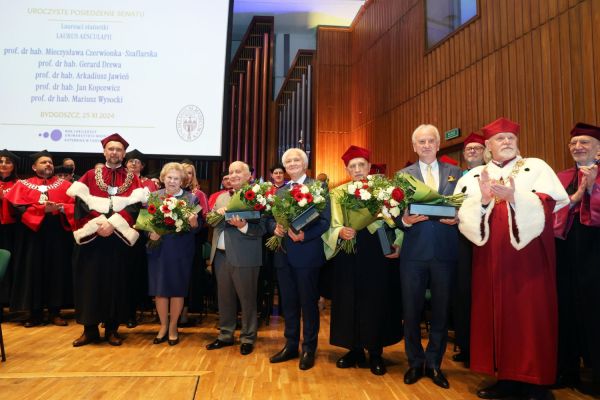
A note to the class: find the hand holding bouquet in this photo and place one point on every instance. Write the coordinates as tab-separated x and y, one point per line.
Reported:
257	197
405	189
290	204
166	214
361	204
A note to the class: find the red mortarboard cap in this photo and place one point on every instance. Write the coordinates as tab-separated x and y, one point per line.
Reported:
474	138
378	169
115	137
448	160
499	126
586	129
355	152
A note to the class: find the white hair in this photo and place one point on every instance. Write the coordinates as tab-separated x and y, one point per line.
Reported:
288	152
427	127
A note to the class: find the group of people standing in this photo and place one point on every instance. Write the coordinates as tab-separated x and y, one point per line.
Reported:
516	268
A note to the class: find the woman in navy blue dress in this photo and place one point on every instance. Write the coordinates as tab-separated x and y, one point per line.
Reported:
170	263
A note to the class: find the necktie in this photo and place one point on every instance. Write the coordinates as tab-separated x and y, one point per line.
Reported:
429	179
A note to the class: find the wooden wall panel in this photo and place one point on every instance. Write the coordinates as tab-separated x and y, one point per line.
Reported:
534	61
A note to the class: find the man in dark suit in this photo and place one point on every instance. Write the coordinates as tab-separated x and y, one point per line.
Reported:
298	271
428	255
237	254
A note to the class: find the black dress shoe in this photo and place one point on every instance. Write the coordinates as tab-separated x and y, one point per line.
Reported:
413	375
285	354
500	390
246	348
437	377
159	340
113	338
377	365
352	359
307	360
86	339
218	344
173	342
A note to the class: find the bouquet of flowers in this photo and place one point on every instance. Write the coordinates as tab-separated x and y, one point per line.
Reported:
165	214
361	203
405	189
290	204
257	197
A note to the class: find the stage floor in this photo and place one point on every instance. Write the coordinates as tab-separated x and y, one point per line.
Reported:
42	364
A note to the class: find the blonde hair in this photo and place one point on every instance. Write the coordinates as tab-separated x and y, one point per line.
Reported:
170	167
193	184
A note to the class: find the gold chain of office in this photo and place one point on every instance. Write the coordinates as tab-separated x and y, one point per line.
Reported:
121	189
42	188
513	173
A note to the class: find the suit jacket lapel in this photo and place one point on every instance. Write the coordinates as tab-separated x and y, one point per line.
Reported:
415	171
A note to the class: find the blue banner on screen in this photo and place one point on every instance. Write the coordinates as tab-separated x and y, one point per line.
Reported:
75	71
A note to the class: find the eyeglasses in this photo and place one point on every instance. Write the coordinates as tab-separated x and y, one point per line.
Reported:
474	148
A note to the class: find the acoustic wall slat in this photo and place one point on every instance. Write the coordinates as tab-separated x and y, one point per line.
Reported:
587	53
531	60
596	46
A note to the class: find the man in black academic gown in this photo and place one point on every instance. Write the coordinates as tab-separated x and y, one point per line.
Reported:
366	303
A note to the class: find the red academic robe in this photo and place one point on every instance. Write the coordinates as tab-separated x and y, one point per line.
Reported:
24	193
99	206
589	208
514	317
6	217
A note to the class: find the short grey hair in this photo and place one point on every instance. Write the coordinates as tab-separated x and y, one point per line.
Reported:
427	127
288	152
245	166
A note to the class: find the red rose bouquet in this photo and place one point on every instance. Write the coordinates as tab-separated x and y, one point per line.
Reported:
361	206
256	196
405	189
165	214
290	204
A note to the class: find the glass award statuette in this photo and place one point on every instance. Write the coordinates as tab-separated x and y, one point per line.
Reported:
303	220
433	211
247	215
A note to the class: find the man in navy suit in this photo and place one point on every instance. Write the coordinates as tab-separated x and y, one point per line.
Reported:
428	255
298	271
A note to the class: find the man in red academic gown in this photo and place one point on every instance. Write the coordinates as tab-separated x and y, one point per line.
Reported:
42	258
108	200
508	216
578	257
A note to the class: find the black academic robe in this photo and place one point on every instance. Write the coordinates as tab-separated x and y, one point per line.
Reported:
366	305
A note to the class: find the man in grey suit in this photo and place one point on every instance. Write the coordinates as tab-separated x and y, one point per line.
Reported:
428	255
237	256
